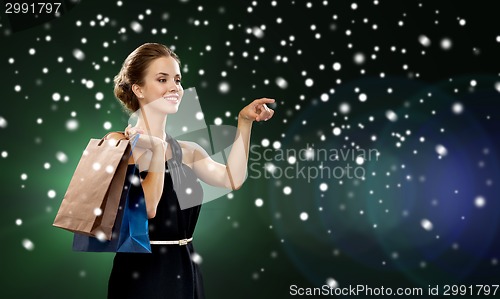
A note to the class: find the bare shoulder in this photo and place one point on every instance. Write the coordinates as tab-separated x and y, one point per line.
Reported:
114	136
191	152
193	147
188	145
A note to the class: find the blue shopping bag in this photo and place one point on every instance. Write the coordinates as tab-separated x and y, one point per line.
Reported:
130	231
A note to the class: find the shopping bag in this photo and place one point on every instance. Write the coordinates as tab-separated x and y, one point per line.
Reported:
130	231
91	201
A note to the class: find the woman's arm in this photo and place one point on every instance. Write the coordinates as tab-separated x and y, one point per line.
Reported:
233	174
152	185
149	155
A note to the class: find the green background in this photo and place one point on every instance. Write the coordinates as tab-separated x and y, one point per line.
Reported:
258	252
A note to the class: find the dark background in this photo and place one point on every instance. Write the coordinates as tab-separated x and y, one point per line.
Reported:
358	231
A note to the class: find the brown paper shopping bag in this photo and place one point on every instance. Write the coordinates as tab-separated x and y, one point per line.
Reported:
91	201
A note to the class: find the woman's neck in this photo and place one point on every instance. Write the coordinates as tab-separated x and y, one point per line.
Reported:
152	122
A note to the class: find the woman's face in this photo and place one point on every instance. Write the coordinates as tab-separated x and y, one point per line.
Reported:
162	85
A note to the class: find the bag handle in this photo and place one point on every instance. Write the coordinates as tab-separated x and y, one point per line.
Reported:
119	140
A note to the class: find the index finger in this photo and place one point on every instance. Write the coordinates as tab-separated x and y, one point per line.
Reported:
265	101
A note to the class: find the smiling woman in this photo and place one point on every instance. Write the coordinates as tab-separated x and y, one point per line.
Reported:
159	84
134	70
149	85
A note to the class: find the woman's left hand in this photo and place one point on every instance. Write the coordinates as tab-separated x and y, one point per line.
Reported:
257	110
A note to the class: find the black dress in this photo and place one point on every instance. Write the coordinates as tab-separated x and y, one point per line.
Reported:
170	271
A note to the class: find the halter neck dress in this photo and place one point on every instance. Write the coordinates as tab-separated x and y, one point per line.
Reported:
170	271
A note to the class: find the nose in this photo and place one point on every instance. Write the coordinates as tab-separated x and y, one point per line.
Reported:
173	86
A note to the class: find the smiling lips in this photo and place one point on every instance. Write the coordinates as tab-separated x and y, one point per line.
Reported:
172	98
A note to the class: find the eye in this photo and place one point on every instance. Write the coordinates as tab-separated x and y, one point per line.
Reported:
178	81
162	80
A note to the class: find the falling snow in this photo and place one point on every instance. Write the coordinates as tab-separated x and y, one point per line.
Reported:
196	258
51	194
3	123
457	108
281	82
97	212
441	150
136	27
391	115
287	190
28	245
61	157
480	202
321	68
424	40
337	131
224	87
72	125
446	44
78	54
426	224
362	97
344	108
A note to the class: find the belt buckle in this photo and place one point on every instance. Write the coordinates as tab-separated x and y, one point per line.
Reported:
183	242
